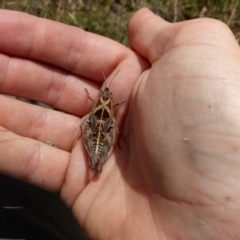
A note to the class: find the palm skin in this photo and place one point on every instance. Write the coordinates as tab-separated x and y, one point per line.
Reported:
176	175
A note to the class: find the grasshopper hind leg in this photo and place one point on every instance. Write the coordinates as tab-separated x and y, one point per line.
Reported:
117	134
84	121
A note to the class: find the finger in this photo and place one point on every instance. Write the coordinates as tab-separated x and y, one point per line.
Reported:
33	161
50	84
64	46
39	123
62	90
143	30
151	36
47	84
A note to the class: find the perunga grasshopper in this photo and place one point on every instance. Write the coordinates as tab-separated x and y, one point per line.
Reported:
99	128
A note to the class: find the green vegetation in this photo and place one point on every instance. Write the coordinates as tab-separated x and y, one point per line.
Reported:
110	17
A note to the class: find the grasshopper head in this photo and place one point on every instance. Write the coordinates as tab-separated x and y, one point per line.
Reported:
106	94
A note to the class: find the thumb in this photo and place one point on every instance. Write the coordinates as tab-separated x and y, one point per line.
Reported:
151	36
144	29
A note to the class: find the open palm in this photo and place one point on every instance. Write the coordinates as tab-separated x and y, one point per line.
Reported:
176	175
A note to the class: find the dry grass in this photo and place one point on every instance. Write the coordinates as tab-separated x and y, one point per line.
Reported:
110	17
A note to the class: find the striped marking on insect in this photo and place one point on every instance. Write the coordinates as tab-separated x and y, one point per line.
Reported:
99	129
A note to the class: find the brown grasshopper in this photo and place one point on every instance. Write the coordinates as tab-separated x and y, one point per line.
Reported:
99	129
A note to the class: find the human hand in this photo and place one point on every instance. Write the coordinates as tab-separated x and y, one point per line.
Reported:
184	113
170	179
54	63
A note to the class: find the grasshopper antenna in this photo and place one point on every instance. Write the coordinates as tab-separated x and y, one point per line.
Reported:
112	78
104	78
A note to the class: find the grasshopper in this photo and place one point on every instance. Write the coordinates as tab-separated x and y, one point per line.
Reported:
99	128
